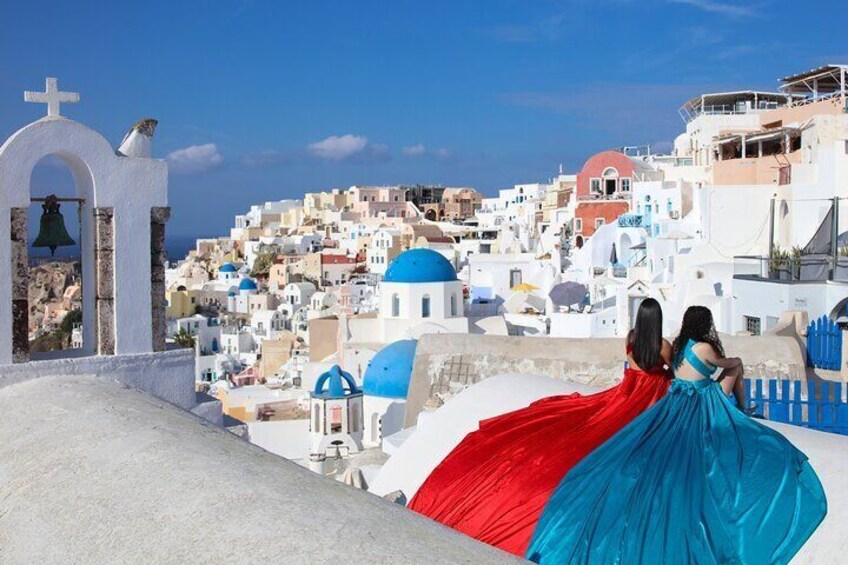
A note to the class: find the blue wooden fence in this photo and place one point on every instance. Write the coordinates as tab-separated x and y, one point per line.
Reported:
819	406
824	344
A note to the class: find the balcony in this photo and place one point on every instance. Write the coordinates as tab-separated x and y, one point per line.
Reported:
631	221
791	269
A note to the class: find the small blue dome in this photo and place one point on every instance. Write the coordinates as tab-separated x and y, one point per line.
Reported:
247	284
227	268
231	293
335	383
389	372
420	265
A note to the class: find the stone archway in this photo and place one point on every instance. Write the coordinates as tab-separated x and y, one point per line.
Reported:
122	236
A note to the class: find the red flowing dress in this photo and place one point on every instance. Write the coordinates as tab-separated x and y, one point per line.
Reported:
495	483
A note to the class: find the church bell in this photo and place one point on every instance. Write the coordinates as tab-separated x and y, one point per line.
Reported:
52	232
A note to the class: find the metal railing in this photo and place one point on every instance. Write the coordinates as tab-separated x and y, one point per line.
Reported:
803	268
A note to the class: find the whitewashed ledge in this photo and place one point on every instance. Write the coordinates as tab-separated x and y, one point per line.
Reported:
166	375
94	472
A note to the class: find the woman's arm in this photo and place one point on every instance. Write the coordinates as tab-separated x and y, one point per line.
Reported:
665	352
709	355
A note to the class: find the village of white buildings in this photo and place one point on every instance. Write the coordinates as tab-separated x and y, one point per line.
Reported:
332	330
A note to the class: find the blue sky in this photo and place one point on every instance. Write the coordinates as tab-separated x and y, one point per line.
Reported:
266	100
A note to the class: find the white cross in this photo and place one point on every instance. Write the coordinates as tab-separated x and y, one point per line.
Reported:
52	97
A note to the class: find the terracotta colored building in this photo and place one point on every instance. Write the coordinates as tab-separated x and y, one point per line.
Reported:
603	190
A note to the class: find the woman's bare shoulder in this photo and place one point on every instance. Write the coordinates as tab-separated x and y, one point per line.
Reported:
706	350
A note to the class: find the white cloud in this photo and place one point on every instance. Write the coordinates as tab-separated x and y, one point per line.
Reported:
338	147
414	150
727	9
195	159
442	152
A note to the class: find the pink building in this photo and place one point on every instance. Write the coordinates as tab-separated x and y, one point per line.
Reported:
381	202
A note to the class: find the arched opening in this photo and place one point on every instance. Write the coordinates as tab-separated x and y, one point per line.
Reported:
430	215
453	305
578	241
395	305
336	419
60	311
425	306
353	424
610	181
626	252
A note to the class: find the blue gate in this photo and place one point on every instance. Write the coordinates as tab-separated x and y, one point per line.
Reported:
824	344
823	407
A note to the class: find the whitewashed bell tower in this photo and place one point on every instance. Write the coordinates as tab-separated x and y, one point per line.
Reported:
336	422
124	209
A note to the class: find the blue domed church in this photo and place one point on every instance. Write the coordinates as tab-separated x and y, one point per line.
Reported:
386	384
421	294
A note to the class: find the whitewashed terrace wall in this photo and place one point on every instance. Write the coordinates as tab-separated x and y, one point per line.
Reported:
445	364
165	375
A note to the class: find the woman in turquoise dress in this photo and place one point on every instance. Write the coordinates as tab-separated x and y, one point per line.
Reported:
691	480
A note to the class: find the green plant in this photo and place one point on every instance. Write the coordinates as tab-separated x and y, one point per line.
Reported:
184	339
70	320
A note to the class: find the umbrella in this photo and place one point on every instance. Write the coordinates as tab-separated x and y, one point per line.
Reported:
568	293
524	287
613	255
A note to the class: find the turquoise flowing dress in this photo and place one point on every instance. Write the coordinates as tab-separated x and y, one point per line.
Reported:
691	480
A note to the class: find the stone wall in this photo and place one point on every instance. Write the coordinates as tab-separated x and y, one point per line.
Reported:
158	218
20	286
445	364
104	258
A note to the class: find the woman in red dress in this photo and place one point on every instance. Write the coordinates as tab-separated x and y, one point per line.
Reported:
495	483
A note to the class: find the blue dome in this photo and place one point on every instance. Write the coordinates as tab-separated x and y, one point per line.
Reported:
335	383
389	372
231	293
247	284
227	268
418	266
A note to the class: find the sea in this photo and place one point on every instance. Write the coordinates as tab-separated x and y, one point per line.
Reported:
177	247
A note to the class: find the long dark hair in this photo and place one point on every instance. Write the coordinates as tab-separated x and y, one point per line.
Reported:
645	339
699	327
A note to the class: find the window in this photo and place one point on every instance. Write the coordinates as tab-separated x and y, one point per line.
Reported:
515	277
668	205
453	305
625	185
578	225
595	186
752	325
395	305
599	222
316	418
425	306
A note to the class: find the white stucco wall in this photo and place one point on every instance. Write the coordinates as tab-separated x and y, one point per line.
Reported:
167	375
107	475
